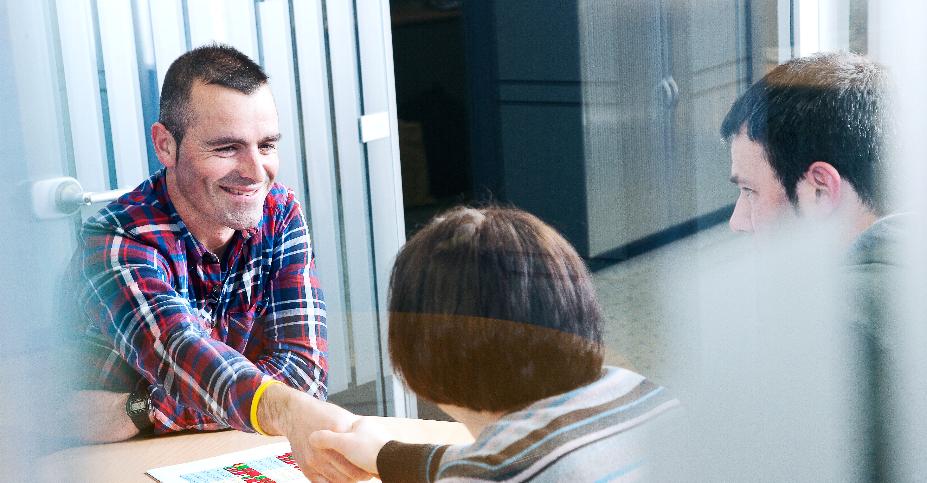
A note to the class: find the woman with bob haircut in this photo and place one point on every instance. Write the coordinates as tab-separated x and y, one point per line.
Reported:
493	316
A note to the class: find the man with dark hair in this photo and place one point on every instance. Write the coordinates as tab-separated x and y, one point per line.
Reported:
217	65
807	139
199	298
808	142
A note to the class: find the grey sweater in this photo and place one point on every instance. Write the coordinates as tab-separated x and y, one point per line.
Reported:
587	434
876	268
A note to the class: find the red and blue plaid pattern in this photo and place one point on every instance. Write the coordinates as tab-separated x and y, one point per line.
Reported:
202	333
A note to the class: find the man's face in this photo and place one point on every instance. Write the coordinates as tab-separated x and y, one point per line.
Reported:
762	203
227	159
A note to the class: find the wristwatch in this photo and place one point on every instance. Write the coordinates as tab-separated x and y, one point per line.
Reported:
138	408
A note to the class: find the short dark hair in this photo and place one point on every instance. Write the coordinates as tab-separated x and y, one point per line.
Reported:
210	64
824	107
491	310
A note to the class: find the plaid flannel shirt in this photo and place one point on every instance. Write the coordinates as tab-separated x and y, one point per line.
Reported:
159	310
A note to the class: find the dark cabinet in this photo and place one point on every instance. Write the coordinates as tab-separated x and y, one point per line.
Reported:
602	116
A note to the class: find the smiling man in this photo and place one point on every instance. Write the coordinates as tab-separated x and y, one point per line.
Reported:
199	297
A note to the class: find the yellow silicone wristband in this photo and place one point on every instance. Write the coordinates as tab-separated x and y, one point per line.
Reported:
257	399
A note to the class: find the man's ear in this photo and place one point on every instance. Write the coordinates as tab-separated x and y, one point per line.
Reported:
165	145
823	188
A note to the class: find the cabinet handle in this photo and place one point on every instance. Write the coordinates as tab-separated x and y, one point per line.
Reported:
669	91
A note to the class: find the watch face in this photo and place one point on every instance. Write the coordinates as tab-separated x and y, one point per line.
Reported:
138	405
137	408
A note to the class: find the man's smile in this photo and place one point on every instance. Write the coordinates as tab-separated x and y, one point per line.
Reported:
243	192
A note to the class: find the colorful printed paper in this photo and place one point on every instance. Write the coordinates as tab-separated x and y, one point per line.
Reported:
272	463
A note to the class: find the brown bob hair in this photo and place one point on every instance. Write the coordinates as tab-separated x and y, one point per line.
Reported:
491	310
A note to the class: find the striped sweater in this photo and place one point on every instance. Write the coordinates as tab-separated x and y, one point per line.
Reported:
587	434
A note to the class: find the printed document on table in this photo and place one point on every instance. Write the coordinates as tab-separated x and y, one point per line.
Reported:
272	462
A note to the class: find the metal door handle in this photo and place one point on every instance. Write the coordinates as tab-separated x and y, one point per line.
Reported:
58	197
669	91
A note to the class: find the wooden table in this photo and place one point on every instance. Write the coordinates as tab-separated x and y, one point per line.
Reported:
128	461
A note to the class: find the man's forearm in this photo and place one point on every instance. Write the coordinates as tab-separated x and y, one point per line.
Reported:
272	414
100	416
281	409
168	415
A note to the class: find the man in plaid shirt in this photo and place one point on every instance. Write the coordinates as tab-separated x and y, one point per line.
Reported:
198	293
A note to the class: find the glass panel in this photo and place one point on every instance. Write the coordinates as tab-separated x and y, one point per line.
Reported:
360	275
170	43
37	145
80	64
603	118
321	174
227	21
277	45
123	92
384	171
895	33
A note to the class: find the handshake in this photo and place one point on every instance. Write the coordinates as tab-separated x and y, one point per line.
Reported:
348	450
351	455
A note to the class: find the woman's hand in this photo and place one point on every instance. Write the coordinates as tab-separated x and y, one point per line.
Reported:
360	445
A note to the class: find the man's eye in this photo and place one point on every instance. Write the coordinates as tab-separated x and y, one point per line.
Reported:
747	192
226	150
267	148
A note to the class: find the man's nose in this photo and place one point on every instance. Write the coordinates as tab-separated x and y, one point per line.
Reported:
251	165
740	218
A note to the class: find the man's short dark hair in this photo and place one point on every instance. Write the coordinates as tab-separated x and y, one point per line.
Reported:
491	309
210	64
824	107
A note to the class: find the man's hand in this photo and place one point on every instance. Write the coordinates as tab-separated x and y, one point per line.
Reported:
100	416
297	415
360	446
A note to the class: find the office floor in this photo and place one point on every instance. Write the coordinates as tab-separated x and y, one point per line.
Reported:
631	293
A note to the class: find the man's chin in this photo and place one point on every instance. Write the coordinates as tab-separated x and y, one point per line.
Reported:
242	221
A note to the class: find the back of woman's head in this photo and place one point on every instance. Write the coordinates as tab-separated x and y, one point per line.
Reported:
491	309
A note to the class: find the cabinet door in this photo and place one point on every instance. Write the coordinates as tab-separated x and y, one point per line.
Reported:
626	134
658	77
711	60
